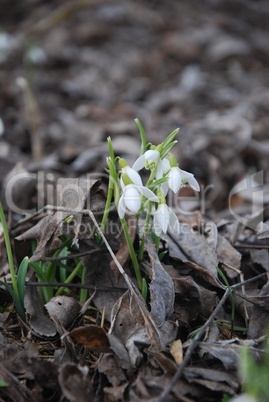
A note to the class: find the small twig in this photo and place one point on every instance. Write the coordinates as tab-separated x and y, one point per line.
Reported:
77	285
251	246
71	256
240	273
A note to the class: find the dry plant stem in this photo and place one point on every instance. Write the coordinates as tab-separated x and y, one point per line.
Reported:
132	252
77	286
197	338
239	272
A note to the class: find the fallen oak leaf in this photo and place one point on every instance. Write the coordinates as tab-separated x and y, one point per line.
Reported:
92	337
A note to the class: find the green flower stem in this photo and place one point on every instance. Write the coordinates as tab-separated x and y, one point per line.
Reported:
70	278
83	292
157	242
151	177
144	290
9	252
146	230
108	203
132	253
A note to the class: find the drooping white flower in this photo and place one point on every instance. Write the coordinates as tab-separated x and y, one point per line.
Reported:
131	198
164	218
149	160
133	176
189	178
174	179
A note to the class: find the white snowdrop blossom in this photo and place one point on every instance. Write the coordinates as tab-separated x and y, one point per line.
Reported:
150	159
164	218
133	176
189	178
131	195
174	179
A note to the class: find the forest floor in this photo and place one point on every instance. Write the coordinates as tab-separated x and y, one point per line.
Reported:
73	74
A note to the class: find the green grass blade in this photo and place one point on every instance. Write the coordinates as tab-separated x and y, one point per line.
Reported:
47	291
9	251
18	305
142	135
21	278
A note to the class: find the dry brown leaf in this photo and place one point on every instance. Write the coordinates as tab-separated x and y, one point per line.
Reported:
93	337
123	253
176	351
39	323
72	195
229	256
193	249
64	308
75	382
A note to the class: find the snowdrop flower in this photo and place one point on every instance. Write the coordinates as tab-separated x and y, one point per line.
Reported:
187	177
174	179
131	198
133	176
163	218
149	160
178	177
132	186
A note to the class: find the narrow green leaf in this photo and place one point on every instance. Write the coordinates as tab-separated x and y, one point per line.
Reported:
167	148
170	138
110	148
21	277
9	251
142	135
18	306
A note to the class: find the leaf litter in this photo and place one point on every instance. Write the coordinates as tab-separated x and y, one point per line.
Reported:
183	344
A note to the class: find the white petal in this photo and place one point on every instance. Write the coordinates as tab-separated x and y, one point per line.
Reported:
189	177
139	163
121	207
165	188
166	165
156	226
133	175
147	193
122	183
173	222
152	155
174	179
159	171
132	198
163	217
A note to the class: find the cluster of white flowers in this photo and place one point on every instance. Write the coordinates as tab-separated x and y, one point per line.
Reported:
165	171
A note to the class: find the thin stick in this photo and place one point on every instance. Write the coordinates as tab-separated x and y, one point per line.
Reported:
77	286
71	256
